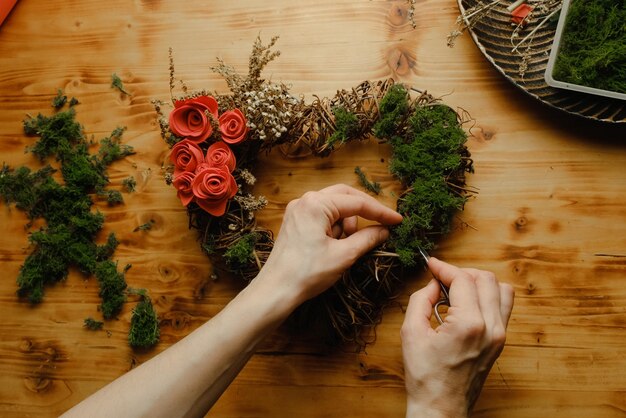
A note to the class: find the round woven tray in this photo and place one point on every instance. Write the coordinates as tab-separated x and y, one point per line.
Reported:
492	34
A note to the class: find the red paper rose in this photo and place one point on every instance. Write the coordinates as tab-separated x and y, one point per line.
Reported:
186	156
220	154
183	183
190	119
233	126
201	167
213	188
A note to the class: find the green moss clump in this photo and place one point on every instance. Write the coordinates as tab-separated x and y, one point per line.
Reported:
144	325
92	324
104	252
129	184
71	226
593	45
113	197
426	157
112	150
432	147
59	100
112	286
394	108
346	125
56	133
242	252
81	171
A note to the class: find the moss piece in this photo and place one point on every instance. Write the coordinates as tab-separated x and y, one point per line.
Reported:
371	186
116	83
56	133
105	251
45	265
22	186
242	252
112	287
80	170
59	100
144	325
112	150
394	108
92	324
346	126
113	197
129	183
145	227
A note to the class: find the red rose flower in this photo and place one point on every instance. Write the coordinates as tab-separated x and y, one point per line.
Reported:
201	167
233	126
183	183
186	156
213	188
220	154
190	119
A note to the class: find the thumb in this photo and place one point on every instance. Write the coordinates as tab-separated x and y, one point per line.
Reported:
360	242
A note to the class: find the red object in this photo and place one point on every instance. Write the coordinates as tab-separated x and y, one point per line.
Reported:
519	15
5	8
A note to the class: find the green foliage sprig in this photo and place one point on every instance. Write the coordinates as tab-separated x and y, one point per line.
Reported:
371	186
117	83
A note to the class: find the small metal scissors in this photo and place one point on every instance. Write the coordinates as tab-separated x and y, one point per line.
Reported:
445	298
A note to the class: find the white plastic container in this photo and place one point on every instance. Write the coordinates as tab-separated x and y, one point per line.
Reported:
553	55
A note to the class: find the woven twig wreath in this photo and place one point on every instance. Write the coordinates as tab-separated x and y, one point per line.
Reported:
216	139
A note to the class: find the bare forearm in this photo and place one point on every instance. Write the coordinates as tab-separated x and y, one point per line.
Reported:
188	378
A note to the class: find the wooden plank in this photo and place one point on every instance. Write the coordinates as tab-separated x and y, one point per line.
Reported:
551	199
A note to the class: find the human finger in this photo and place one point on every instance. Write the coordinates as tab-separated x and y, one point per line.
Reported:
420	309
507	297
350	225
359	243
344	189
488	290
337	231
462	287
364	206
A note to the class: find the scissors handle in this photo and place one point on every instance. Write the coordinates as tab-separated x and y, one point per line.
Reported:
441	302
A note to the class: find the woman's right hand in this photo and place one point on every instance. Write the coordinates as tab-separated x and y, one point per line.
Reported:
446	367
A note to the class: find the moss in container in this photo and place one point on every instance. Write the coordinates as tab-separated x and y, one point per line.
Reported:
592	50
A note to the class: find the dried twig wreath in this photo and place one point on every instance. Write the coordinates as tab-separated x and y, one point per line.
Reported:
216	138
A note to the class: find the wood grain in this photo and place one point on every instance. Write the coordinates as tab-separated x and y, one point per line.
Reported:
552	197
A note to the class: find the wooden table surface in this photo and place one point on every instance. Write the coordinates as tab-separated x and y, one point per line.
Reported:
550	217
